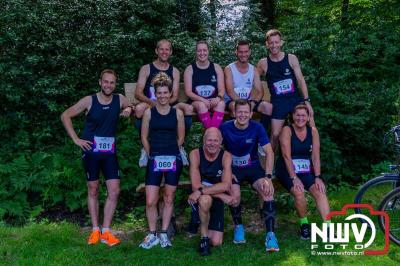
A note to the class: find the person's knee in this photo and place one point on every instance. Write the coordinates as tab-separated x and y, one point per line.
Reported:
205	202
151	202
317	195
113	193
169	199
216	241
93	191
298	195
221	105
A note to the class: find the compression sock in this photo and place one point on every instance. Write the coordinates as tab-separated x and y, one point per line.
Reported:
303	220
194	215
269	215
217	119
205	119
236	213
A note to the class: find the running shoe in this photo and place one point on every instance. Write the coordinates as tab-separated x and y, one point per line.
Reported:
164	241
183	156
305	231
205	246
261	151
143	158
150	241
94	237
109	239
238	234
271	243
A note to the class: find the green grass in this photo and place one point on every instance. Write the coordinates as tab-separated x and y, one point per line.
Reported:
64	244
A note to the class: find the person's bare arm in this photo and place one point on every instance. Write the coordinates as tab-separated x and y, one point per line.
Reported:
145	130
187	79
140	84
181	127
126	106
229	84
269	161
175	86
82	105
259	90
285	143
220	86
262	67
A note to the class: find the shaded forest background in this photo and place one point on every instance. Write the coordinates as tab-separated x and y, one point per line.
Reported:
53	51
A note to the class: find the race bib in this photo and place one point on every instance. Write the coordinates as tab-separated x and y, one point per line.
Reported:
241	161
205	91
152	93
104	144
243	92
164	164
284	86
302	166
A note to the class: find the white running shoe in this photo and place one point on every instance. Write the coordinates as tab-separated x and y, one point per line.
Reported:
164	241
183	156
150	241
143	158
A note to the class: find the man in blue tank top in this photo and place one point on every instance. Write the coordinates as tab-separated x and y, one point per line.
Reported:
283	75
99	149
241	137
211	177
242	81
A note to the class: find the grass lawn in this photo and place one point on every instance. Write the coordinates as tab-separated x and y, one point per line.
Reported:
64	244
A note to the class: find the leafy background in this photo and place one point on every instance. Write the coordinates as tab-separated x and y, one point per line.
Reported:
53	51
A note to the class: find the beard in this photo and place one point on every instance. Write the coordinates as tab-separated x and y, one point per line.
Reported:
104	93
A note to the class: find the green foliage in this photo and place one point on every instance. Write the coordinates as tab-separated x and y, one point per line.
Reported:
52	52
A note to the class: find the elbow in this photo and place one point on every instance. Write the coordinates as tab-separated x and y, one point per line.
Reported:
62	117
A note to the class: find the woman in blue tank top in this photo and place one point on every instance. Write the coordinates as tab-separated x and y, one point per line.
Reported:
163	132
204	85
299	166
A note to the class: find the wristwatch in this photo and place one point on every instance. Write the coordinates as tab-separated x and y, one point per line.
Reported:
269	176
201	190
307	100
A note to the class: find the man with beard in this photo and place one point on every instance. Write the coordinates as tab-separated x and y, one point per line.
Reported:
97	142
241	78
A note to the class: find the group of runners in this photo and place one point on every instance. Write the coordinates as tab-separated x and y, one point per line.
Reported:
229	155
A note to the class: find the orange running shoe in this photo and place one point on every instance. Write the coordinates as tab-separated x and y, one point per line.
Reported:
109	239
94	237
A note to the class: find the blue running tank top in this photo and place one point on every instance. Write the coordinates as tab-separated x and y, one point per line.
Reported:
301	152
163	133
101	124
281	79
204	81
211	172
301	149
148	87
243	143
